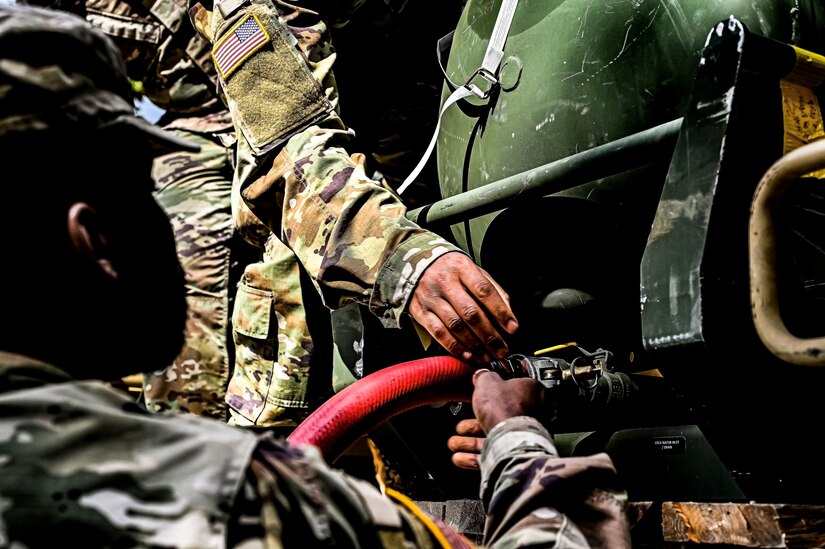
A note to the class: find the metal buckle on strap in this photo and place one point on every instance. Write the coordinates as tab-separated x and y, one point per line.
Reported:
486	76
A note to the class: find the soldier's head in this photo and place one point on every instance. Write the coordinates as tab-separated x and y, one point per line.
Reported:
89	278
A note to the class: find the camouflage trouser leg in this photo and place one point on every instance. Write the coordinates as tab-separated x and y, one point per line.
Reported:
273	343
194	190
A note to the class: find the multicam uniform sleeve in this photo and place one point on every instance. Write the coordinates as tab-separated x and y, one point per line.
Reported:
349	232
293	498
535	498
162	51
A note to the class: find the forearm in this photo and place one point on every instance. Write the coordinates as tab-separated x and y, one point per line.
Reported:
532	495
349	232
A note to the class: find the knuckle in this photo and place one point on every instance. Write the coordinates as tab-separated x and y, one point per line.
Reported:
470	313
502	311
455	324
453	347
438	332
493	340
485	289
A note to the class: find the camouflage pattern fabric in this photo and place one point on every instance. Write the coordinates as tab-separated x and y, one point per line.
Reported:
535	498
84	466
273	343
195	189
173	67
162	51
348	232
349	258
51	94
186	481
363	250
275	346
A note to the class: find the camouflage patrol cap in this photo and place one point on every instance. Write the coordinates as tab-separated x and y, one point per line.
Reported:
57	72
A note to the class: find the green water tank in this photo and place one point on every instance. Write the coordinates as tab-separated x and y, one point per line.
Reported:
585	262
577	74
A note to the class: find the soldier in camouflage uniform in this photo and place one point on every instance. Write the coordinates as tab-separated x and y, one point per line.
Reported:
350	238
170	64
271	385
222	247
82	465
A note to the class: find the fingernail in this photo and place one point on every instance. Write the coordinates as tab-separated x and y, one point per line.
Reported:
512	325
467	356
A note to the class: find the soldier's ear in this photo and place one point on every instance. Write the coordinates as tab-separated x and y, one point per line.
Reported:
88	237
201	18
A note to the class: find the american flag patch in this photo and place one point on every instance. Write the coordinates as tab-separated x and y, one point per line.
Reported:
243	40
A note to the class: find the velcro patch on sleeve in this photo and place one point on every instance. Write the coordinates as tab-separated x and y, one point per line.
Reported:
271	91
242	40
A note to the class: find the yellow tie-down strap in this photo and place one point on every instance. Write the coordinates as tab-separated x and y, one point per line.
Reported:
457	541
800	106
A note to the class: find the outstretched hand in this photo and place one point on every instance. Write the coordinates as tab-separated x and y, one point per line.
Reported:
463	308
494	400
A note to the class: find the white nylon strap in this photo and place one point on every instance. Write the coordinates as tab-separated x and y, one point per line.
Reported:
460	93
488	71
495	49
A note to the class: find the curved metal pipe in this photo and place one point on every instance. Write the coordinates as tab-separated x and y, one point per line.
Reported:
762	257
363	405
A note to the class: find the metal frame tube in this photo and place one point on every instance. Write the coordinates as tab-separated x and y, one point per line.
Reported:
635	150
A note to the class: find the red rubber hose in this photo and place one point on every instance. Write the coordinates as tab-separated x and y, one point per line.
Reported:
360	407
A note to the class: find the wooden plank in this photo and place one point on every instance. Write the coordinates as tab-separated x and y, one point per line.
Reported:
744	524
686	524
726	523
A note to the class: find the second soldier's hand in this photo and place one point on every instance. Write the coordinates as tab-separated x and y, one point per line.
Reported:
466	444
495	400
463	308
